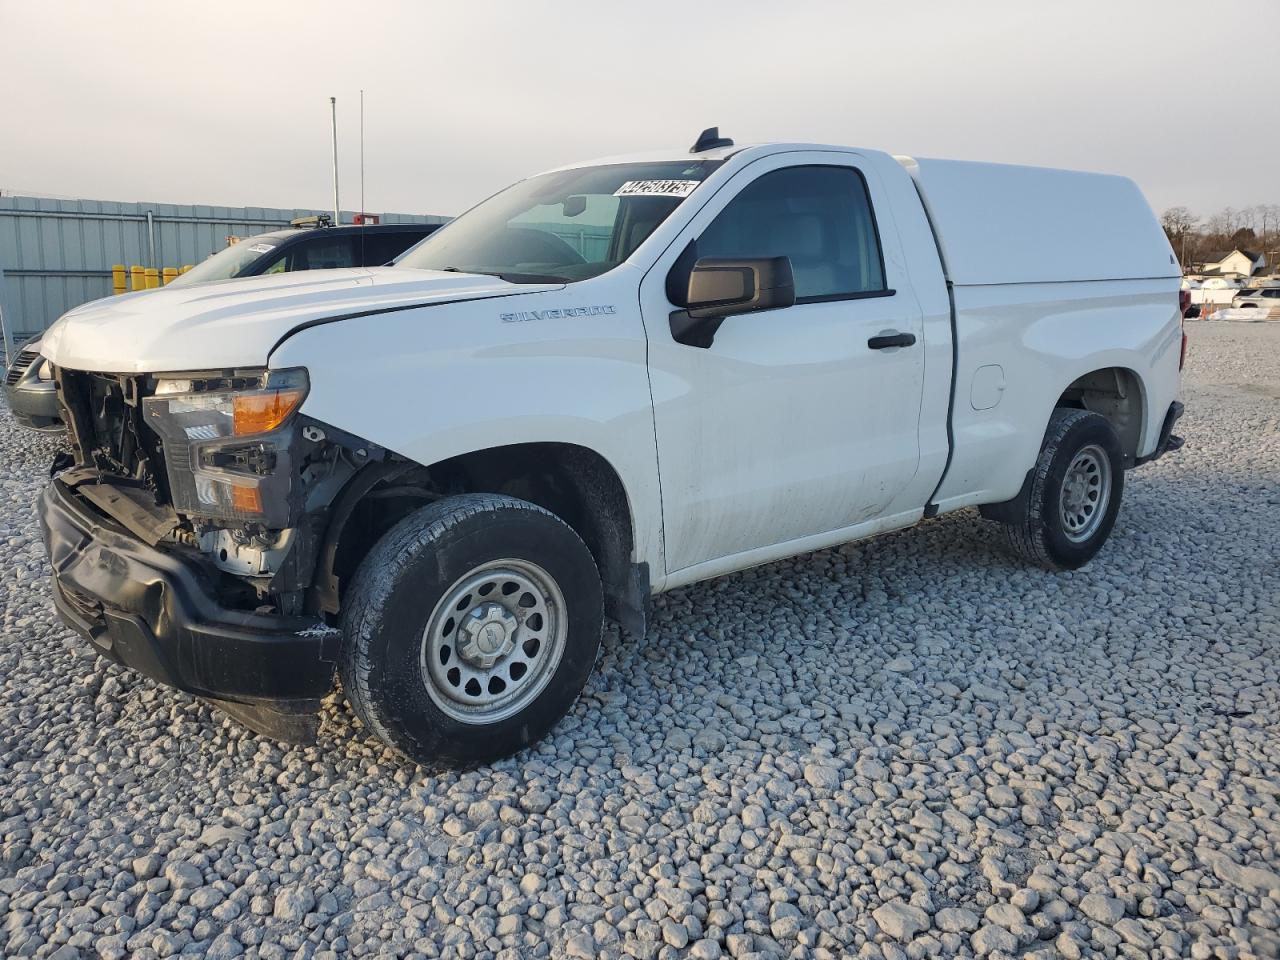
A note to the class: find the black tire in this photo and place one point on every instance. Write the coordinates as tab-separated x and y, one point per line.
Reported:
1040	534
396	591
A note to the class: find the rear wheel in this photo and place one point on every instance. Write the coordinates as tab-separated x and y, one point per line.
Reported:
1075	492
470	629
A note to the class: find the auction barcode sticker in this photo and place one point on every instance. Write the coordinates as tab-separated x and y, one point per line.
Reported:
657	188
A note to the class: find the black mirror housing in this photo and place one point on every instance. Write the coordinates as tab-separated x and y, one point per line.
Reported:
723	286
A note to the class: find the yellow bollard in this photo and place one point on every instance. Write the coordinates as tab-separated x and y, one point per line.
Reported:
170	274
137	278
186	267
153	278
117	279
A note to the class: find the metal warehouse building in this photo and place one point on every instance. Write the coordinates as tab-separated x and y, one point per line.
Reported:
57	254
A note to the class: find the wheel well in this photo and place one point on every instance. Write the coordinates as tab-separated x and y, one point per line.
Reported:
575	483
1115	393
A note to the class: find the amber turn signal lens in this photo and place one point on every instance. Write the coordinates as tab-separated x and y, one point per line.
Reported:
260	412
246	499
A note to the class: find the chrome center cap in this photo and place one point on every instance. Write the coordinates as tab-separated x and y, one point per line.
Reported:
486	635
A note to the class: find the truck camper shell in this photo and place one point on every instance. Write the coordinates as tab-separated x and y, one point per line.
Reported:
1000	223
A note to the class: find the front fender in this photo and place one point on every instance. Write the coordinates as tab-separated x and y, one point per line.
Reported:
439	382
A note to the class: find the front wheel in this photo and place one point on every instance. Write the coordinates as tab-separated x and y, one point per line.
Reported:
1075	492
470	629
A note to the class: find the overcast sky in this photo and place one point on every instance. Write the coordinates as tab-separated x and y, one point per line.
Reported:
227	102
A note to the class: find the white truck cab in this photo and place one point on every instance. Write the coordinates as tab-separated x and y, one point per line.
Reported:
606	381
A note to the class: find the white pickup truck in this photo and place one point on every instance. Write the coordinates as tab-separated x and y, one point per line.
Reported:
604	382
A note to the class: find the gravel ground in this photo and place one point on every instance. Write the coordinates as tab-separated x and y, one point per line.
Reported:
908	747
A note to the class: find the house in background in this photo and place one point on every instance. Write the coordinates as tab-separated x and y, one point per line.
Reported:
1233	263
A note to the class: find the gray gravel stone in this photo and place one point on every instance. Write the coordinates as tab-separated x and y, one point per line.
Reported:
869	768
902	921
293	903
224	947
1101	908
956	920
183	875
146	867
991	938
1131	931
822	777
676	934
1026	900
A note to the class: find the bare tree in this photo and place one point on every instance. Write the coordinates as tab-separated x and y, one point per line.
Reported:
1178	220
1179	223
1223	223
1267	218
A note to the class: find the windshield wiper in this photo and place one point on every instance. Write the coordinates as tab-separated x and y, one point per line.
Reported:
530	278
509	277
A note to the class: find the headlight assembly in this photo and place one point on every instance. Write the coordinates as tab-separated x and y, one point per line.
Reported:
225	452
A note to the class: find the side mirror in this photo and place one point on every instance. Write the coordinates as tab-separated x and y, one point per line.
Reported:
721	287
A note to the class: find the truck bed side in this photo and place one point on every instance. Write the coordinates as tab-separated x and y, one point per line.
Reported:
1064	291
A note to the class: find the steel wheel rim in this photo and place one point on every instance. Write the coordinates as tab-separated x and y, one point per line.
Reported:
494	641
1085	493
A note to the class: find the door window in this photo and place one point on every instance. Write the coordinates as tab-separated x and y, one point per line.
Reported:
820	217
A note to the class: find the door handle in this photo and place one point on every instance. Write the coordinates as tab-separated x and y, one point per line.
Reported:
886	340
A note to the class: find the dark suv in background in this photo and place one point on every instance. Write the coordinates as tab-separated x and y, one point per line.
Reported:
322	248
30	392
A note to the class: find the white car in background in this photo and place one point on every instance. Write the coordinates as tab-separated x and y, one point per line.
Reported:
1266	299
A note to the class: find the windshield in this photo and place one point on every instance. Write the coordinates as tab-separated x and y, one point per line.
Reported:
561	227
228	263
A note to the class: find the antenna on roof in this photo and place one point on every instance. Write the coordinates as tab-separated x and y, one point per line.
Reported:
333	108
362	207
709	139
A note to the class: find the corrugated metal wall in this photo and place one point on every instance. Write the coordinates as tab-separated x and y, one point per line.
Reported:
57	254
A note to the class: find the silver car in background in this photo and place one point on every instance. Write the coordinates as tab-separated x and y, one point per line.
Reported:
1260	298
29	389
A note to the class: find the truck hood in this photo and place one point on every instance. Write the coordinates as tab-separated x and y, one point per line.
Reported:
237	323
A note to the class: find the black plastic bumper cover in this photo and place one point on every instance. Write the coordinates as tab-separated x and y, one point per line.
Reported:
152	611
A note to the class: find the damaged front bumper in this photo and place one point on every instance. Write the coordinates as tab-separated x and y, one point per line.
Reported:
157	613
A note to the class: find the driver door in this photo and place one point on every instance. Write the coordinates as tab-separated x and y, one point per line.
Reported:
791	423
